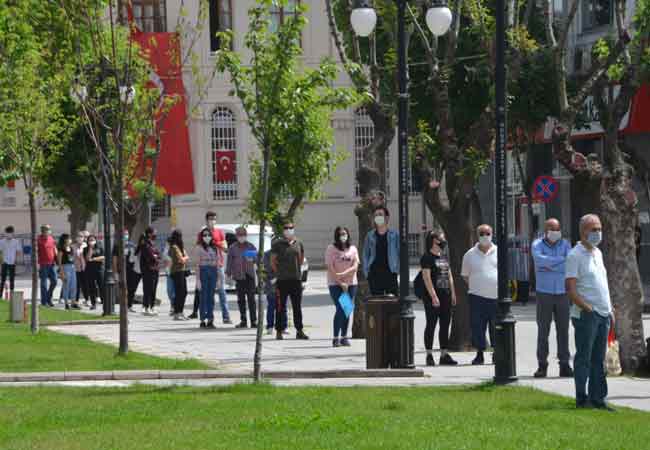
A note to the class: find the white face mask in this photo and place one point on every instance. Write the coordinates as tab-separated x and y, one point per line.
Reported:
485	240
241	239
212	223
289	233
343	238
10	235
380	220
207	239
80	240
91	242
553	236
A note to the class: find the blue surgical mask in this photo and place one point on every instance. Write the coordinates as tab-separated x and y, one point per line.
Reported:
595	238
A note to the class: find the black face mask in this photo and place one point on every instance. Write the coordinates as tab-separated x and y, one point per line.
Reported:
442	245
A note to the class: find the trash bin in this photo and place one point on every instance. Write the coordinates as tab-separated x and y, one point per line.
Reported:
382	332
17	307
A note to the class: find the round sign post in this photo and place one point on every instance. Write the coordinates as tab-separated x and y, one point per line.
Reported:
545	188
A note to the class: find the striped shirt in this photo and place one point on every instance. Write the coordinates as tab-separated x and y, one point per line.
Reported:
206	257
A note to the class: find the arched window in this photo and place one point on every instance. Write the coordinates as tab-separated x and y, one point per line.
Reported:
224	154
364	135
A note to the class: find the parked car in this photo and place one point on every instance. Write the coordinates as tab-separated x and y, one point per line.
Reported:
253	237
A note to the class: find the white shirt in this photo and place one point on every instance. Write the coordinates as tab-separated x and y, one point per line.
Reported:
481	271
10	248
588	268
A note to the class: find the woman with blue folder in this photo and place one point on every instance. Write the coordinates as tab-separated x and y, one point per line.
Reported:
342	261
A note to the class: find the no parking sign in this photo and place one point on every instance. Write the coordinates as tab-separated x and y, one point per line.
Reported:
545	188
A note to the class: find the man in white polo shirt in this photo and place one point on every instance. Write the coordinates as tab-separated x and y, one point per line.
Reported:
480	273
10	248
591	313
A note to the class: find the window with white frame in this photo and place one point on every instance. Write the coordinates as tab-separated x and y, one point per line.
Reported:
224	154
364	135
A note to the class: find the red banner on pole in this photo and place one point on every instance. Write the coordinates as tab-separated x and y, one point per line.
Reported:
225	166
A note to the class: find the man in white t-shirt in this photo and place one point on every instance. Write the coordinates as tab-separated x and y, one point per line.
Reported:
479	271
591	313
10	247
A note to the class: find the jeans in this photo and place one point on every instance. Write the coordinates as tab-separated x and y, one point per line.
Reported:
149	287
47	273
246	294
271	307
171	292
69	288
550	308
8	270
591	332
293	289
180	291
340	321
209	275
483	311
433	313
221	292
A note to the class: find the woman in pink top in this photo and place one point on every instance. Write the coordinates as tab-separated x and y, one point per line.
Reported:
342	261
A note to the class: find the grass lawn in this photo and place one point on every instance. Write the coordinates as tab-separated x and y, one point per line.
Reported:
49	351
267	417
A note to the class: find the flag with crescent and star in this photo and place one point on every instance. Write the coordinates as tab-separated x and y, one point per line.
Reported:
225	165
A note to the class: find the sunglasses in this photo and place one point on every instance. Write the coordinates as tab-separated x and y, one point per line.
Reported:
485	233
288	228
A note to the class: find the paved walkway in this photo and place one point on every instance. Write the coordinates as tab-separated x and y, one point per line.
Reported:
231	349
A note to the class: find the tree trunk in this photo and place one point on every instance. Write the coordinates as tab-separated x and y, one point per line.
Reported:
363	211
78	218
122	290
32	220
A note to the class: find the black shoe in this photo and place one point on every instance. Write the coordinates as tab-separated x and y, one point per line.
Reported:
345	342
604	407
93	307
210	325
447	360
566	371
586	404
202	325
241	325
336	342
478	360
253	324
76	306
51	305
430	361
541	372
67	306
278	335
227	322
301	335
193	316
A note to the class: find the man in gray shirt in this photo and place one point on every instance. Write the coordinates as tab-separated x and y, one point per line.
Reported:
591	313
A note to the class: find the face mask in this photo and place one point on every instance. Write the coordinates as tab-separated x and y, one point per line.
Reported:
595	237
380	220
442	245
91	242
485	240
212	223
554	236
344	238
126	238
207	239
80	240
68	243
241	239
289	233
10	236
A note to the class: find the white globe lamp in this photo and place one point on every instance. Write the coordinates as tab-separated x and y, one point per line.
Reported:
363	19
439	19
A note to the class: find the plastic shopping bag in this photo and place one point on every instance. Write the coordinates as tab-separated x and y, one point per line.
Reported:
346	304
612	358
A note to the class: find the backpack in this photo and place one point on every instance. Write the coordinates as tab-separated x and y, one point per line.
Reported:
418	286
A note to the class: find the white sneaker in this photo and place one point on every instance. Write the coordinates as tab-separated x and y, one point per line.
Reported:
171	312
145	312
286	331
178	317
154	311
269	331
132	309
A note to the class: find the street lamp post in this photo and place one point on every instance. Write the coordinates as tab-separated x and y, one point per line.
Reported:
505	370
363	20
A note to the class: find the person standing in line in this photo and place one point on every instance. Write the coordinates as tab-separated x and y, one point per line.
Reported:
80	269
479	270
149	266
67	273
549	256
94	263
46	262
207	262
241	268
342	260
219	240
271	292
10	248
591	314
439	296
381	256
167	264
132	273
287	256
178	272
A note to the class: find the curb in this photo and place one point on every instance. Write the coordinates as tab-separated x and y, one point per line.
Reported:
81	322
137	375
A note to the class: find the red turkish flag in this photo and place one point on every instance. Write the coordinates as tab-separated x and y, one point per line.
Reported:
225	166
11	184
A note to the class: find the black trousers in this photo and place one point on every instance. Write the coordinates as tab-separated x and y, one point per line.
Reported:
149	287
132	281
246	293
433	314
82	286
293	289
382	283
197	301
8	270
95	283
180	291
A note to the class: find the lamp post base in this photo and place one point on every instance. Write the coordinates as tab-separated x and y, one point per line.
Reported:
505	363
406	334
109	295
